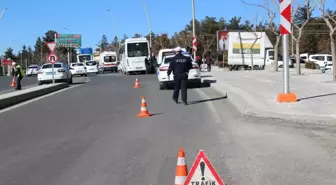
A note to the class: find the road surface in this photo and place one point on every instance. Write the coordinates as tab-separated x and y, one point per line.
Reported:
89	135
5	81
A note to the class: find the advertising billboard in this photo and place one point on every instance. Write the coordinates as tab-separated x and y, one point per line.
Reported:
222	40
245	43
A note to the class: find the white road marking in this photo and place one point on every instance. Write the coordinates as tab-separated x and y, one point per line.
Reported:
36	99
211	106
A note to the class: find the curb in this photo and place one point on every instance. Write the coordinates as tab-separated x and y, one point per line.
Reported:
16	99
247	108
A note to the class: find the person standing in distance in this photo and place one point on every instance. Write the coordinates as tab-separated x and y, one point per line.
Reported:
180	67
19	73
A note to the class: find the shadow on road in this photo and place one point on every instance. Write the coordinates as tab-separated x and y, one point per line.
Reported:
205	76
317	96
207	100
156	114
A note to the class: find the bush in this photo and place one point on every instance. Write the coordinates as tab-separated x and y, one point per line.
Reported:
310	65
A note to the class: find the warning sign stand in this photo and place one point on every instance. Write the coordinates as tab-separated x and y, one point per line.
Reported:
202	172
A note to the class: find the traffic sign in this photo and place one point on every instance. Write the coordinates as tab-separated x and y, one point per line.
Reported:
194	44
52	58
69	40
202	172
285	17
51	46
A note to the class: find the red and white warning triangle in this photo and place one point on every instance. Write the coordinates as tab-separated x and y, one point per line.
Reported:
51	46
202	172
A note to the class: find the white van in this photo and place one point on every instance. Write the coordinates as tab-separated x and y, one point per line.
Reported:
240	51
163	53
322	60
133	55
108	59
304	57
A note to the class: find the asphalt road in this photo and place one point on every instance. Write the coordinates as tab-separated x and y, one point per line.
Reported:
27	81
89	135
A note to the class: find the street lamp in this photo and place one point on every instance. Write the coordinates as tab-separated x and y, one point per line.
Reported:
149	25
116	28
3	12
69	50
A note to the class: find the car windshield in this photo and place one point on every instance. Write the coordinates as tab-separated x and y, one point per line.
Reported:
33	67
168	60
329	58
137	49
91	63
110	58
83	58
77	64
47	66
167	53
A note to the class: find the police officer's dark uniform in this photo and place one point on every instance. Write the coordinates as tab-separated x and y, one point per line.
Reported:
180	67
19	73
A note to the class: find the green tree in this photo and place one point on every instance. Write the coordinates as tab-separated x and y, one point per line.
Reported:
38	51
9	53
30	55
103	44
137	35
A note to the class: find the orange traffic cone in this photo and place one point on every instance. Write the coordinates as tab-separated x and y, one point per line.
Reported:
137	84
143	111
181	169
13	83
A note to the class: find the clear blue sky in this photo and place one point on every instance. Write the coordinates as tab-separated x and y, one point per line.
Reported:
26	19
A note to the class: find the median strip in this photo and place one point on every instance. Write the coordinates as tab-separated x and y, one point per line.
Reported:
13	98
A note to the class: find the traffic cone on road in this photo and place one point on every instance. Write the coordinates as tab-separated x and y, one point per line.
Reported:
143	111
13	83
137	84
181	169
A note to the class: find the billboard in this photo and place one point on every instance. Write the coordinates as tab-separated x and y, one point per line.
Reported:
222	40
69	40
245	43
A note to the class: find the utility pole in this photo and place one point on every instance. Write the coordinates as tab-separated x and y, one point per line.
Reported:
41	53
69	50
3	12
116	29
149	25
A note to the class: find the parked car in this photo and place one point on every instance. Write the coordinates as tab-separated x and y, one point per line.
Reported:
32	70
61	74
91	67
78	69
194	74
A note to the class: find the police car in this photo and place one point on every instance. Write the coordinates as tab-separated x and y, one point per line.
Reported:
194	74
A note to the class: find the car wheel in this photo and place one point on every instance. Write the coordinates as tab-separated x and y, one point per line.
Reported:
70	81
161	86
323	70
40	83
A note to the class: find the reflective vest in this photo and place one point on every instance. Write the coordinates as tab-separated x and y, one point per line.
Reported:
18	67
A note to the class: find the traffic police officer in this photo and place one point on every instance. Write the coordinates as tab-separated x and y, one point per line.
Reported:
19	73
180	67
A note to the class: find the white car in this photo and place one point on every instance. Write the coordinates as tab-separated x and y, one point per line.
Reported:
194	76
32	70
78	69
61	74
91	67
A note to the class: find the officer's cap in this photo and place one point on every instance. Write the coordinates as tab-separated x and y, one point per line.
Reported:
178	49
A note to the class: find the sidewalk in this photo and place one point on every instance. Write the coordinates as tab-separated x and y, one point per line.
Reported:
255	93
